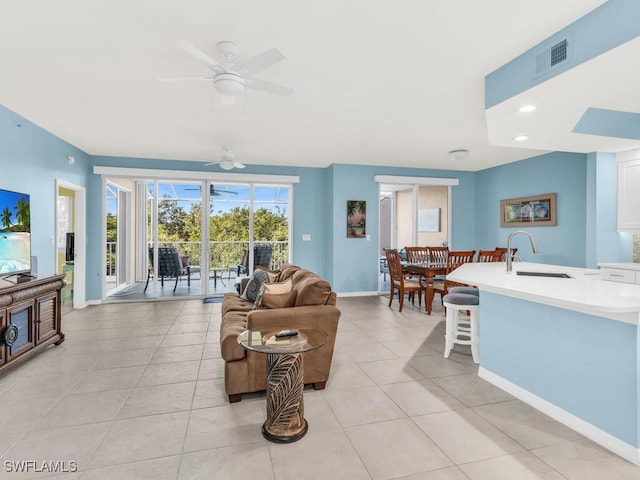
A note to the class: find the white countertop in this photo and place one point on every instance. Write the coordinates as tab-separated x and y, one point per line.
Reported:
585	292
622	266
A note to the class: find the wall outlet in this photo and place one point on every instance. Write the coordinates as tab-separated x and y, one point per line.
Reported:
368	238
306	237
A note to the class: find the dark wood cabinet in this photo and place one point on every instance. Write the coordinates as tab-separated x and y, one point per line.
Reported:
30	317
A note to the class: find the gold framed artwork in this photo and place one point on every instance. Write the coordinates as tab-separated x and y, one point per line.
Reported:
538	211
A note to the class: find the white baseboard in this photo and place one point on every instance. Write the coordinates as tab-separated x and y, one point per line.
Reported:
357	294
602	438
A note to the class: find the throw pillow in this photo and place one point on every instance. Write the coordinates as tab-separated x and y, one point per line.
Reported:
253	286
276	295
273	274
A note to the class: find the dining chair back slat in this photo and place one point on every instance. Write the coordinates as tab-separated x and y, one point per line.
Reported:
438	255
454	260
490	256
417	254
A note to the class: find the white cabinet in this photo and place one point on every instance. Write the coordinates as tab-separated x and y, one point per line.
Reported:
628	190
621	272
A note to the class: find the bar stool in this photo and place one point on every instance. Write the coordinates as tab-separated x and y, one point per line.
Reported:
457	327
467	290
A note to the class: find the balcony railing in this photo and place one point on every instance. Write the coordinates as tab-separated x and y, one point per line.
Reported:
223	254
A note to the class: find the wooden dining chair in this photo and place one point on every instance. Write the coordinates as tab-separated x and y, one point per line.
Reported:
490	256
417	254
399	281
438	255
503	251
454	260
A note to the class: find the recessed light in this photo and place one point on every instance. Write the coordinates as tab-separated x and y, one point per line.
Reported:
521	138
527	108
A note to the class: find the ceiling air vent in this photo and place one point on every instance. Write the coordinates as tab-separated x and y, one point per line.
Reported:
551	57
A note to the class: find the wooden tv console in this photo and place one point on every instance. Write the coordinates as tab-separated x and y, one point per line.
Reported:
30	317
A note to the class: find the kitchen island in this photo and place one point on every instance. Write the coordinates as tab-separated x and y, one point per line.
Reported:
566	342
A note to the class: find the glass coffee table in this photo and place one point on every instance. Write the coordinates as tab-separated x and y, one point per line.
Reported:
285	378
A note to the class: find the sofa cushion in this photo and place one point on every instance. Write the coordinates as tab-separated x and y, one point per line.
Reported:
276	300
276	295
310	288
233	325
273	274
253	287
233	302
286	271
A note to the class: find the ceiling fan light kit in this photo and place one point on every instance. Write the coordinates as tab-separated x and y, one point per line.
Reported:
229	84
227	164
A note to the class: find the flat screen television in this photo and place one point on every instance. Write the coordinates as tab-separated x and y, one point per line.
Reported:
15	233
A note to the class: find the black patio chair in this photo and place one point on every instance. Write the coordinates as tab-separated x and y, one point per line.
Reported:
169	265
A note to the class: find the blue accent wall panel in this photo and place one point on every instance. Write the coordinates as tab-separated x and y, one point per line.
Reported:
31	159
606	27
562	173
609	123
584	364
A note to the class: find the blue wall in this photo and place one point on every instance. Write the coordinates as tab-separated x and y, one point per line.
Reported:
605	243
355	261
584	364
31	159
562	173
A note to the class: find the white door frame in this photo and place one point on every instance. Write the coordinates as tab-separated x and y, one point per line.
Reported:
80	229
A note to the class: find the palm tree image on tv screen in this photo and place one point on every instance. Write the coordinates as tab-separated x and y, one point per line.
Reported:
15	236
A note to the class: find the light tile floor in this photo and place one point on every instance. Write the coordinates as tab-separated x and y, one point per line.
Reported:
136	392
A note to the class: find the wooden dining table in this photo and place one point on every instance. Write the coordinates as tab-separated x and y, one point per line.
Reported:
428	270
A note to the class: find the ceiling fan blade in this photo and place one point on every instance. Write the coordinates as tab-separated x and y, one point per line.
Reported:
259	62
268	87
238	165
201	56
211	163
186	79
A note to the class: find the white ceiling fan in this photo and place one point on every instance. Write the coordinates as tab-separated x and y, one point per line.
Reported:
229	78
227	160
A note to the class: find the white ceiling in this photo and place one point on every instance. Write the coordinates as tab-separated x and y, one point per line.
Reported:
376	82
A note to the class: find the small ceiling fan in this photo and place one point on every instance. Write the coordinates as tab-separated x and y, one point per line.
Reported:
216	192
227	160
229	78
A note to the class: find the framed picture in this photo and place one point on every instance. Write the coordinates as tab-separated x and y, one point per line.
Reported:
356	219
538	211
429	220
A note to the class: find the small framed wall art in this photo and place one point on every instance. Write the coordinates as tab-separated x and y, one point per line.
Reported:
356	219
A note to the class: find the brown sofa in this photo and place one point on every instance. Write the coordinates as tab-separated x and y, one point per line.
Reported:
314	307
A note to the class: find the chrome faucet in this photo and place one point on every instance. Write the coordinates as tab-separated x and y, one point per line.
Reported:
509	259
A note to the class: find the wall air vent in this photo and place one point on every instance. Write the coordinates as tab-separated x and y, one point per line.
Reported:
551	57
559	52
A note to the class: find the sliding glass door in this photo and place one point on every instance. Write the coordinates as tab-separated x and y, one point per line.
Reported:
194	237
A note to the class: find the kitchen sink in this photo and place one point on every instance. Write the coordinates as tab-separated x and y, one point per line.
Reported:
544	274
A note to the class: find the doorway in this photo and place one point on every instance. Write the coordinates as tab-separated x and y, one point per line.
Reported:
413	212
70	245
